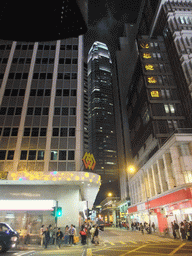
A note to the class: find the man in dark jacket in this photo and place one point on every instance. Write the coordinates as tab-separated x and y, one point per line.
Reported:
59	237
47	237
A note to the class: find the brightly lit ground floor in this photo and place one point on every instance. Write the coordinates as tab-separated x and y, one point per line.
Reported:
28	204
175	205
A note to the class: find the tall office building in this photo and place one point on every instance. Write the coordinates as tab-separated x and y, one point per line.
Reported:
42	133
102	139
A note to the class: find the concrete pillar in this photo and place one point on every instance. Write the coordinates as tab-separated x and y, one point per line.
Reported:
148	184
186	162
155	178
168	171
177	171
161	175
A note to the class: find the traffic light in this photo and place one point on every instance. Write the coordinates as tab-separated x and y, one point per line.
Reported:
59	212
53	211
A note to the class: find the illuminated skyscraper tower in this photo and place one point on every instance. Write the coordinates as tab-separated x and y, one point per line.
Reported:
102	138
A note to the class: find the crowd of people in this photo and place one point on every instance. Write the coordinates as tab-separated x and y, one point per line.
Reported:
89	233
182	231
149	228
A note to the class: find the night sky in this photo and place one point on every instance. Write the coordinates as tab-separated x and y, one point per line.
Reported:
106	19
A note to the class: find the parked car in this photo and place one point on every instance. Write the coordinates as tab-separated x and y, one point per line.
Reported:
8	237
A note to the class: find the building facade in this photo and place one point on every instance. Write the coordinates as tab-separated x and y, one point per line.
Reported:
102	138
42	126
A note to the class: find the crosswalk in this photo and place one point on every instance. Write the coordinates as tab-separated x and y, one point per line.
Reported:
149	241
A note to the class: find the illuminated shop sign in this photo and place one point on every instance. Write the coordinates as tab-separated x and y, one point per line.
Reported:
89	161
149	67
146	55
3	175
155	94
144	45
151	80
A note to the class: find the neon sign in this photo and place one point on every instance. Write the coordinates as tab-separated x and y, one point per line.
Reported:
89	161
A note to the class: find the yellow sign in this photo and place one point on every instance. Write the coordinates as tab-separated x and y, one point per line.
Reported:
146	55
3	175
89	161
152	80
155	94
144	45
149	67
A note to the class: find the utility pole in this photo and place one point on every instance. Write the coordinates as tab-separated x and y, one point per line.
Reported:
56	207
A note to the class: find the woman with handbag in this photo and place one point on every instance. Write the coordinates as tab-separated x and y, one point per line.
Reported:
96	236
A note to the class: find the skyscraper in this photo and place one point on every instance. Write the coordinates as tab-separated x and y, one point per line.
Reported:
102	139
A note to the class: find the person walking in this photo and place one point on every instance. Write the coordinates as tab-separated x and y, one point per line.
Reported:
83	234
182	230
176	228
59	237
66	235
96	236
153	227
92	231
41	234
71	235
173	230
142	228
47	237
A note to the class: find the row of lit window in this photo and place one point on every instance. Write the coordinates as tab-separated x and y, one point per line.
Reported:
38	155
51	61
59	92
64	111
40	47
158	67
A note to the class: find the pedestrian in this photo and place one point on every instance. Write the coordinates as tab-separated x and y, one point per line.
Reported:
47	237
71	235
176	228
41	234
173	230
182	230
51	233
92	231
189	227
27	238
96	236
66	235
83	234
153	227
142	228
59	237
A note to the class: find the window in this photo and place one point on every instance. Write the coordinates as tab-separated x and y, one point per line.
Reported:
32	155
35	132
62	154
40	155
0	131
69	47
40	92
18	111
14	92
48	92
57	111
62	47
71	155
65	111
74	61
38	61
67	61
33	92
3	111
11	75
18	76
26	132
35	75
14	132
6	131
67	76
54	155
42	75
44	60
63	132
45	111
55	132
43	132
7	92
37	111
22	92
23	155
2	154
30	111
61	61
74	76
73	92
166	108
10	111
60	76
66	92
71	131
75	47
172	108
72	111
51	60
10	155
58	92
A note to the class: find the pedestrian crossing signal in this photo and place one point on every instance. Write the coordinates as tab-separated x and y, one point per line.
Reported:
53	211
59	212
